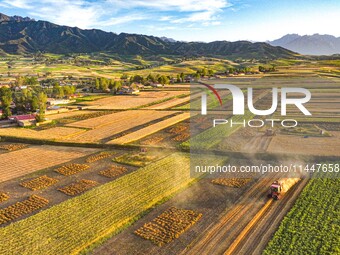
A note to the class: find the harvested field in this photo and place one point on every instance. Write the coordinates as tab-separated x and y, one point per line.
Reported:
241	140
113	171
111	129
153	141
3	197
71	114
182	137
98	156
132	101
232	182
39	183
56	133
19	209
126	120
320	146
12	147
90	115
169	104
78	187
330	126
168	226
150	129
116	118
37	158
178	129
71	169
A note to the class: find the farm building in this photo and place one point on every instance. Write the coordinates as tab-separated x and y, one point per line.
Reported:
53	101
126	90
24	120
55	109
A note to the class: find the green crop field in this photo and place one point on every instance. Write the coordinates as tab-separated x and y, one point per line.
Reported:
312	226
213	136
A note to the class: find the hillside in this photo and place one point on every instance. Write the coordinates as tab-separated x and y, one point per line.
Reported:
309	44
24	35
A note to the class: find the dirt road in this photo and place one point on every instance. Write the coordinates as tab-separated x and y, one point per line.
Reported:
255	239
238	223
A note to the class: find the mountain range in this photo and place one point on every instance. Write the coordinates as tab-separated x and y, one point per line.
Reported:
24	35
309	44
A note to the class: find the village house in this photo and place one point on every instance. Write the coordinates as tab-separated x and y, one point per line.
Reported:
53	101
23	120
126	90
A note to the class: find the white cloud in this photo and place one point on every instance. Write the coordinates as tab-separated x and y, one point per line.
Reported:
89	14
22	4
197	16
171	5
71	14
166	18
200	11
160	28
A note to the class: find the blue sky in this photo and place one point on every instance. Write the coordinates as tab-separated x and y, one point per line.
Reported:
188	20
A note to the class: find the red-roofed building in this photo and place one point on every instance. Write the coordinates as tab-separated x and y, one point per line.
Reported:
24	120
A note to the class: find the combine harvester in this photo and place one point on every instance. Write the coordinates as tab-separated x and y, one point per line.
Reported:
280	187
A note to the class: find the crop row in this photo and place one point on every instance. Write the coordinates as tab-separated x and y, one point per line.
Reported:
39	183
89	115
182	137
178	129
312	225
113	171
13	146
232	182
71	169
78	187
19	209
98	156
168	226
3	197
153	140
78	223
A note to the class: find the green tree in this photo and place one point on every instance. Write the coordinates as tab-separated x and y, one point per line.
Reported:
117	86
137	78
42	100
178	78
6	100
151	78
103	84
124	77
182	76
163	80
34	104
58	92
204	72
97	83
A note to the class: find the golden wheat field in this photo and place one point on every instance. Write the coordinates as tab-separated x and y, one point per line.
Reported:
132	101
115	123
21	162
67	114
150	129
56	133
